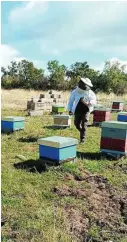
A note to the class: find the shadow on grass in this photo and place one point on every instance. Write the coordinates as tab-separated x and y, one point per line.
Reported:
54	127
90	155
32	166
28	139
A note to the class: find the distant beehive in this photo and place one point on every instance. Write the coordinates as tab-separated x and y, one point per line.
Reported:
101	115
62	120
117	105
58	108
35	105
54	95
46	95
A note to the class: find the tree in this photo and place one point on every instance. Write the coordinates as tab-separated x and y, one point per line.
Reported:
57	75
81	69
21	75
115	76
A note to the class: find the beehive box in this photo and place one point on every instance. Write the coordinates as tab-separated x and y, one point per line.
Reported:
62	120
101	114
117	105
114	137
57	148
122	116
58	108
12	123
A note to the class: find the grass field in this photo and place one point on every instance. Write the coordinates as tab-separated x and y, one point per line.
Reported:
84	201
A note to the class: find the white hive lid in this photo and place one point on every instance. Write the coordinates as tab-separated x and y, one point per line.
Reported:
57	141
58	105
62	116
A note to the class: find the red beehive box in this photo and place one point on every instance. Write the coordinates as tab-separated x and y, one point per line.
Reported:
100	115
114	144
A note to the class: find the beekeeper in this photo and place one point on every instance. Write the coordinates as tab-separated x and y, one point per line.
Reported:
81	104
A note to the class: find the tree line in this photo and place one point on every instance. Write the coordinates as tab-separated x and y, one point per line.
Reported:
24	74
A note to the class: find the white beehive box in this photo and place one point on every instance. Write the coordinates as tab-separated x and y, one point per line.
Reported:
62	120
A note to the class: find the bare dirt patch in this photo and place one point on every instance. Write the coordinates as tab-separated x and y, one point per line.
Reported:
103	215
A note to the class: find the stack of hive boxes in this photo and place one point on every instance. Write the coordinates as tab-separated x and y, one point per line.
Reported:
100	115
44	103
117	105
114	137
35	107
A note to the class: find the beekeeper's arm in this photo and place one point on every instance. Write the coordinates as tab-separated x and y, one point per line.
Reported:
93	99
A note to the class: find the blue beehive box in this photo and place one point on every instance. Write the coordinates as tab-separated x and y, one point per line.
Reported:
122	116
57	148
11	123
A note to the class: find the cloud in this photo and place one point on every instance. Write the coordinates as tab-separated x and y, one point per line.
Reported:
89	26
28	13
60	28
112	61
8	54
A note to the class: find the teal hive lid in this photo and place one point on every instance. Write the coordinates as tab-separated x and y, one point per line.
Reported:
57	141
62	116
122	113
12	118
114	124
102	109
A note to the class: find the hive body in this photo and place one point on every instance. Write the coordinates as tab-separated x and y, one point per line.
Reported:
57	148
62	120
101	114
12	123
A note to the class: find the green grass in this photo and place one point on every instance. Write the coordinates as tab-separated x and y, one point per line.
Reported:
34	212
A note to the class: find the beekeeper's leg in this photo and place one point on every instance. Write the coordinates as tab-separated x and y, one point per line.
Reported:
84	123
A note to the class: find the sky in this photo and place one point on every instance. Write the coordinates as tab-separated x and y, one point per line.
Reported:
65	31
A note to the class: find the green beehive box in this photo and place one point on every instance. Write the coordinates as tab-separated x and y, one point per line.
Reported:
58	108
